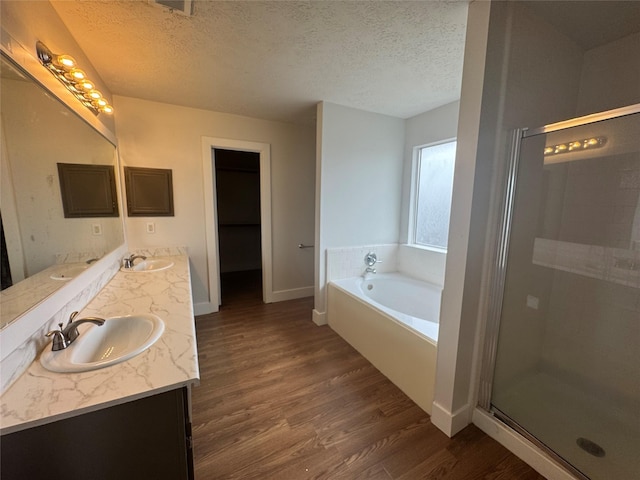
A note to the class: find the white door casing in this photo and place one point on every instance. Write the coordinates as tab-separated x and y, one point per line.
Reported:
211	213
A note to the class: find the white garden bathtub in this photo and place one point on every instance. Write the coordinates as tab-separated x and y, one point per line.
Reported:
392	320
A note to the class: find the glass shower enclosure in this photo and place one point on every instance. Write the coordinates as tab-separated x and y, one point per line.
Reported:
563	363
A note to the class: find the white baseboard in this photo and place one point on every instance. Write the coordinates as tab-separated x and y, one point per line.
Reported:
319	318
292	294
520	446
450	423
202	308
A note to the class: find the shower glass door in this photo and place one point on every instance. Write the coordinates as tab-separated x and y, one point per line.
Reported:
567	365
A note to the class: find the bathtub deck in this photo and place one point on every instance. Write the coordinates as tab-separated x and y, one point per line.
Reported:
281	398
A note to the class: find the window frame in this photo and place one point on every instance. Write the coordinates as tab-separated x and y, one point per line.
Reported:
413	203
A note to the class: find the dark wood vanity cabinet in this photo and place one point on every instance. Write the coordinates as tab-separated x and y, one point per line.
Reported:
148	438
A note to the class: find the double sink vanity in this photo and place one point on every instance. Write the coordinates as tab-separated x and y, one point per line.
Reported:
115	402
119	339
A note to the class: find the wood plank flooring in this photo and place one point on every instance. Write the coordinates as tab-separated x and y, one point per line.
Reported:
281	398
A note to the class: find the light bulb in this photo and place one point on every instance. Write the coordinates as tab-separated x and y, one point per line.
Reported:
108	109
101	102
94	94
75	75
65	62
86	85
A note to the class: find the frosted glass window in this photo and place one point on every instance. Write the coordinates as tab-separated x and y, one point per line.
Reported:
433	194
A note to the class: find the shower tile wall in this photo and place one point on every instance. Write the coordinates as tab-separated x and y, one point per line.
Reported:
617	265
423	264
600	200
349	261
593	333
592	330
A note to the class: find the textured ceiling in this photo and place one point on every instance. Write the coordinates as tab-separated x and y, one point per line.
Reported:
277	59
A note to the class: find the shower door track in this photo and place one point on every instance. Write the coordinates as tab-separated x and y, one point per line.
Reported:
578	121
509	422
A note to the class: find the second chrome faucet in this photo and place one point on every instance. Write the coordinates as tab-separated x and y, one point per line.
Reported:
127	262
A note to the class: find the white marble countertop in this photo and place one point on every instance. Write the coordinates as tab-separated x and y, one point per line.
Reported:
20	297
40	396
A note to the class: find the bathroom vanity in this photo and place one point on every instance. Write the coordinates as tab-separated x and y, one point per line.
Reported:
125	420
130	420
146	438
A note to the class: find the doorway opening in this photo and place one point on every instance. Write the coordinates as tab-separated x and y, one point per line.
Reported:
237	175
210	147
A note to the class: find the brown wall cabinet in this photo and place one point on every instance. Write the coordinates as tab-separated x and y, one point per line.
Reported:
149	192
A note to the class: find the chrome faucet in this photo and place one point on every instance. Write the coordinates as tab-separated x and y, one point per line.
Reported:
127	262
370	259
65	336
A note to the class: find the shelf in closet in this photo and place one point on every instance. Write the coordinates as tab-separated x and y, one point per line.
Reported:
238	224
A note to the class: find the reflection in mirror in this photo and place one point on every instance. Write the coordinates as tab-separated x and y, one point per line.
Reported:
88	190
42	249
589	200
592	194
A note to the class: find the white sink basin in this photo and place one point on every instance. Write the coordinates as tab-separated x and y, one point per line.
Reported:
119	339
67	272
150	266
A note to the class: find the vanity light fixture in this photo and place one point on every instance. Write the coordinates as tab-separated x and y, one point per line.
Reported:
65	69
575	145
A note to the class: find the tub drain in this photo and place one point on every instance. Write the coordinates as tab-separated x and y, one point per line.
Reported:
590	447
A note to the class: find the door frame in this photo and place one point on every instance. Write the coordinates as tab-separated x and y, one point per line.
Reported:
209	144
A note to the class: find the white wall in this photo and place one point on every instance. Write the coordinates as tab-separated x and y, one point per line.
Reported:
359	183
610	76
540	72
152	134
433	126
448	414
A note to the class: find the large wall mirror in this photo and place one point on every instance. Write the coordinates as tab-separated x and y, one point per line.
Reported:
41	249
